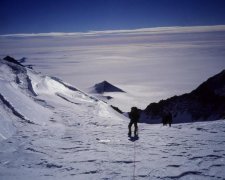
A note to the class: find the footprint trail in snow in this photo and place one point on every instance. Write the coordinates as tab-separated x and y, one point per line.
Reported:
75	136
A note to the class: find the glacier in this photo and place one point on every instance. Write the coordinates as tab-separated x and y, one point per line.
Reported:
52	130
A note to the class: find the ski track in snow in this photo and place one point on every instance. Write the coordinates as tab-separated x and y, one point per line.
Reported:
84	138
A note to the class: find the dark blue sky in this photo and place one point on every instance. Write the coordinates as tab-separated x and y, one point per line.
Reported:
36	16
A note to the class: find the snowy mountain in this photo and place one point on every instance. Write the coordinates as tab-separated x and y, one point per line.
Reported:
29	97
52	130
108	93
207	102
105	87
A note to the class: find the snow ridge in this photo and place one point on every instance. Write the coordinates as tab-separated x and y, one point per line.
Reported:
5	102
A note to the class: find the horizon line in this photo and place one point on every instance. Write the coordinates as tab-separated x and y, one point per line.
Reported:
145	30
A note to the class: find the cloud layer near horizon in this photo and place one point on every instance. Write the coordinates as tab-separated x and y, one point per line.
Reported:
141	31
150	64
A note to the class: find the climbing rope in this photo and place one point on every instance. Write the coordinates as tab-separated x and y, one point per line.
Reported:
134	160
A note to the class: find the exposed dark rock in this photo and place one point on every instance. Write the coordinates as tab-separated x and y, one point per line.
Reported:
12	60
22	60
14	64
108	97
207	102
66	85
117	109
8	105
53	165
14	111
20	71
66	99
30	87
30	66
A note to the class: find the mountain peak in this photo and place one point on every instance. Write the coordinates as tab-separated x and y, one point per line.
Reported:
105	86
214	85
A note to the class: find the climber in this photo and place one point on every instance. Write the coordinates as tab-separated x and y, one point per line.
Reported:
134	117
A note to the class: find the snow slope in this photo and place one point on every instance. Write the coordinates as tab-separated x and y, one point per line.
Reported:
51	130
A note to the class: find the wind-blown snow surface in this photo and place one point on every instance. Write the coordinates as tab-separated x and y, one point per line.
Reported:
74	136
149	64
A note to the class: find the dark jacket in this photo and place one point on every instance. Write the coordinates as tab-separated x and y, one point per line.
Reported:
134	115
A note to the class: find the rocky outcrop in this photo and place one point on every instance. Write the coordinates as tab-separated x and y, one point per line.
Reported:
207	102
